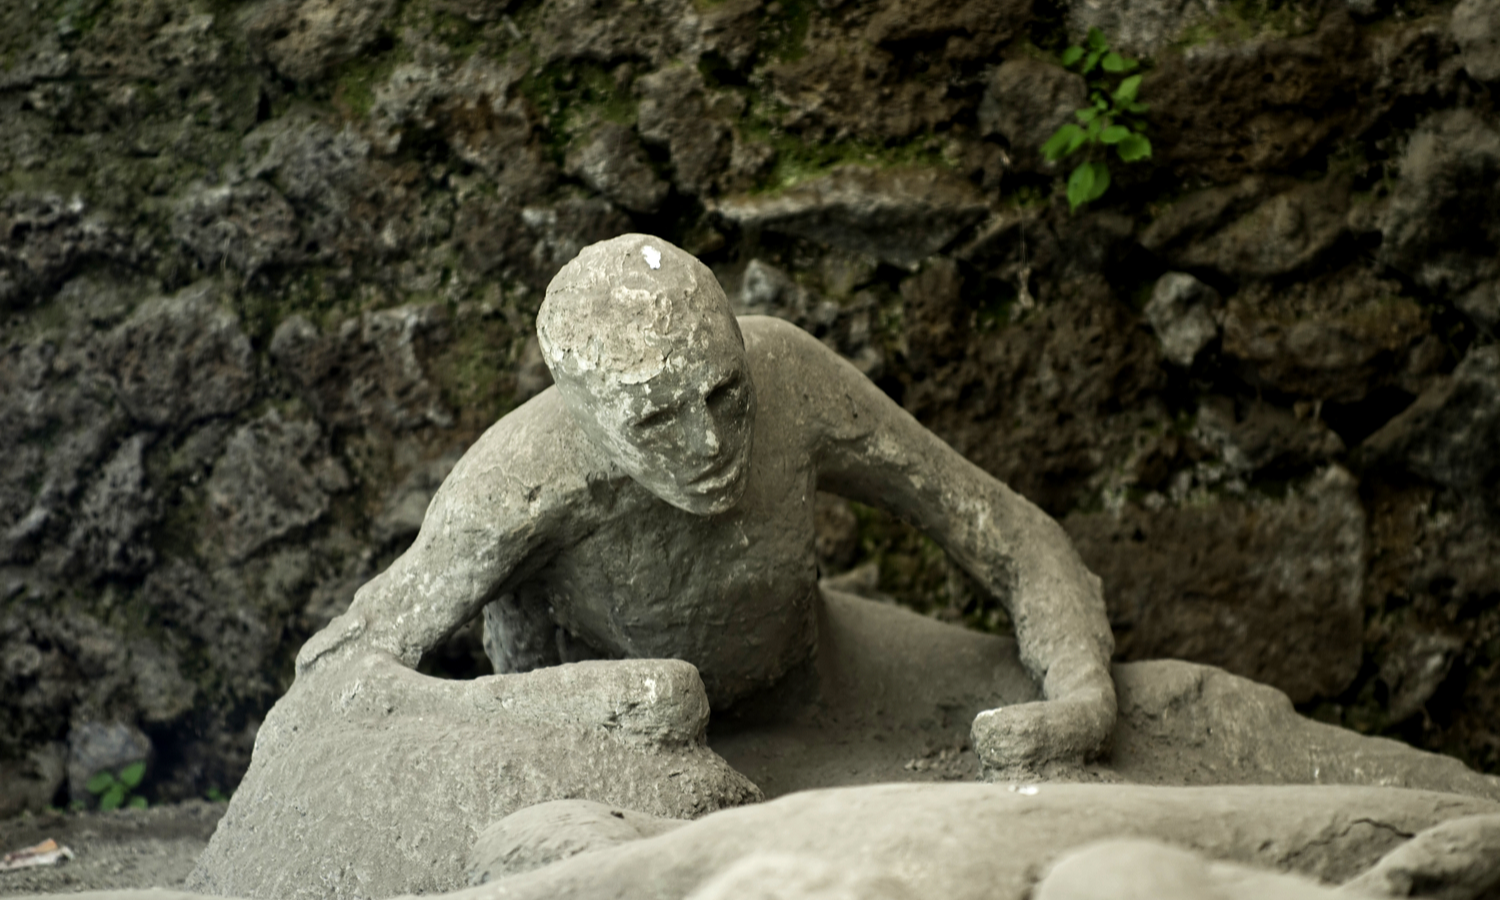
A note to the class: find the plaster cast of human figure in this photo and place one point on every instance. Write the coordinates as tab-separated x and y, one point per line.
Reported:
1062	842
658	502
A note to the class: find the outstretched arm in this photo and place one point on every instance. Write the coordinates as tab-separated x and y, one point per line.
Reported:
872	451
509	497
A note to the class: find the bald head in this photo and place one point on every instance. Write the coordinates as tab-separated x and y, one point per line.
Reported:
622	309
651	364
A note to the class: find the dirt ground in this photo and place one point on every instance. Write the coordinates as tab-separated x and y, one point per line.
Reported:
126	848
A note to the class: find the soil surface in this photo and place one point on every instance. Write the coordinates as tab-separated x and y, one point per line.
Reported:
127	848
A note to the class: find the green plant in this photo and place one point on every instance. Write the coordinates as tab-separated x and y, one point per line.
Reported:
214	795
1110	120
114	790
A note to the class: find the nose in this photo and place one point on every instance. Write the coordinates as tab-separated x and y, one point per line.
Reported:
701	432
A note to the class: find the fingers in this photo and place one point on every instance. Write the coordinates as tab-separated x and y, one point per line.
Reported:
1012	739
650	701
1043	739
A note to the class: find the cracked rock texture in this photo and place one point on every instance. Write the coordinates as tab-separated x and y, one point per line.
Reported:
266	270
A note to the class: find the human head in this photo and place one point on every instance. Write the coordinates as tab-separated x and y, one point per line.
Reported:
650	362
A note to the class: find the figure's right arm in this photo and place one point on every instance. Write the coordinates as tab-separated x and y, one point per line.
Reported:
508	500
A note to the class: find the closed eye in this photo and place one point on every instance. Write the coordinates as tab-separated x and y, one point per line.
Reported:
724	389
651	420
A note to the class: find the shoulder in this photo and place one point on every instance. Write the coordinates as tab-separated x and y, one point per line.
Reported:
768	335
531	462
793	369
782	352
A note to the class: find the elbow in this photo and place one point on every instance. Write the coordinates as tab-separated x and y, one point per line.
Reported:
335	641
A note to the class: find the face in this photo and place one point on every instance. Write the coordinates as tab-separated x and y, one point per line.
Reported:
685	434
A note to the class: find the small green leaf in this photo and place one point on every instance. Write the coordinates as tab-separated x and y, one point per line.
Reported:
1134	147
1127	90
1137	107
1071	56
1080	184
112	798
1130	64
1095	127
1112	62
100	782
1085	116
1091	61
1096	40
137	803
1076	140
1101	180
132	774
1114	134
1061	142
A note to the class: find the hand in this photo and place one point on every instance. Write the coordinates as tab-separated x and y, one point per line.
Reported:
658	702
1048	740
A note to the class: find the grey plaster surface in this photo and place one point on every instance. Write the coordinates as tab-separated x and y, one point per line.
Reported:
995	841
1457	859
1061	842
639	539
391	783
872	721
1131	868
659	503
370	779
558	829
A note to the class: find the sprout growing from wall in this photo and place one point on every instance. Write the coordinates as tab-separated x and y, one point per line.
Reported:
1112	119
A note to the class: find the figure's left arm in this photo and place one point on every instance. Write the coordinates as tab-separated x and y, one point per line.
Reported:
873	451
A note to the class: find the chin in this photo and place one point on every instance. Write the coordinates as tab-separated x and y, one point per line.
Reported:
707	504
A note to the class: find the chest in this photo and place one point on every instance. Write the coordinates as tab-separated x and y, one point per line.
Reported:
652	560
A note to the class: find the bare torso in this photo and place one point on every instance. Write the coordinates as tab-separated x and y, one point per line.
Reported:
558	546
731	593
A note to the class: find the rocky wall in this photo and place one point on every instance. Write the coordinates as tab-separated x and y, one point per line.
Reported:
267	268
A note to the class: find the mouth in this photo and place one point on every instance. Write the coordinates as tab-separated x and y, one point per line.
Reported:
716	478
